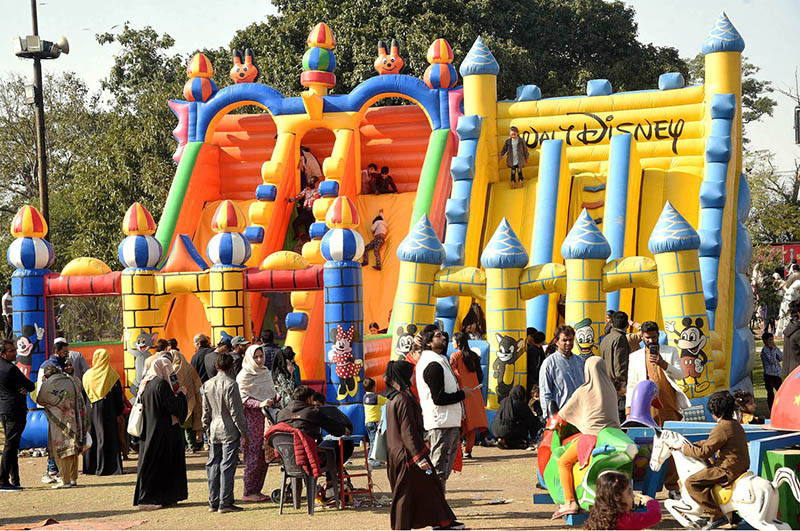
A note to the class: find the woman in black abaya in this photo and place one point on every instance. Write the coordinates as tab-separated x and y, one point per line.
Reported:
161	478
417	496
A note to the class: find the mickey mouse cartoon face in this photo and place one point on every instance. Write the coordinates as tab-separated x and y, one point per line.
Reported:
405	340
30	336
692	338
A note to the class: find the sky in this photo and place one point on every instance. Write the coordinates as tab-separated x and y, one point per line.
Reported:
769	28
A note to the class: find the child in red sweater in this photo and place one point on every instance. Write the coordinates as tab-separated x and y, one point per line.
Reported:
613	505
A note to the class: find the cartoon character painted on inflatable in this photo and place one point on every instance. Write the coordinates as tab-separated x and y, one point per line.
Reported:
405	340
139	348
246	72
26	342
389	63
584	338
347	367
509	350
691	341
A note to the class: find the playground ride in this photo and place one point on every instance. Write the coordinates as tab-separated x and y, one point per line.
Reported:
604	164
613	451
753	497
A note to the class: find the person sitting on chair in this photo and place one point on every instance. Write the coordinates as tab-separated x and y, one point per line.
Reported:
590	409
728	441
301	413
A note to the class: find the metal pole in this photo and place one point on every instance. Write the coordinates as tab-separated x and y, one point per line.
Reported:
41	145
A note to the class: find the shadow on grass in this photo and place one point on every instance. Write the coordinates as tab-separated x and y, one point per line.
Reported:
69	515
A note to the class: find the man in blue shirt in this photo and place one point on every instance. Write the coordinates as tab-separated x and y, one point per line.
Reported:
562	372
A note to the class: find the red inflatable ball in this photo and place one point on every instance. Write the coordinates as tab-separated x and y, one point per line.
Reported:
786	407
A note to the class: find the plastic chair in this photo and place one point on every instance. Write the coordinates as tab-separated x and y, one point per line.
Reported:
283	443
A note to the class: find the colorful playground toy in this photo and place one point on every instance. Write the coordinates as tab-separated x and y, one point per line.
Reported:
626	202
753	497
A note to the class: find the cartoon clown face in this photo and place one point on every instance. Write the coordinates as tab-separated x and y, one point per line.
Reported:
584	337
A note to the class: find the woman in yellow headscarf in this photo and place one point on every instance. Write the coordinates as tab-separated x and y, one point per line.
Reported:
104	390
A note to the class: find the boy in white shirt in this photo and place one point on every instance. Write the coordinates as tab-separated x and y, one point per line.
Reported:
379	230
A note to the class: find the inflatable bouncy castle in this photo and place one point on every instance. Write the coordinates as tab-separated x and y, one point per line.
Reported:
630	201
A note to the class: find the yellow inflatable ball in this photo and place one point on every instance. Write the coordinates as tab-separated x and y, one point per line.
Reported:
85	266
284	260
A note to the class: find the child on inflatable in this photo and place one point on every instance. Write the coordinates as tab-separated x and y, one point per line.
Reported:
613	505
379	230
728	441
516	153
590	409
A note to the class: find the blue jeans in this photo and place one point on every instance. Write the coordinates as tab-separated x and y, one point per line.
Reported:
372	431
221	468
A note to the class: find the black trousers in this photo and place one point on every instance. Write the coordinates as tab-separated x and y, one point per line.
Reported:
516	171
13	426
772	383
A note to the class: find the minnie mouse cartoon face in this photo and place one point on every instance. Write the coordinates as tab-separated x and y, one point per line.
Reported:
405	340
26	342
348	368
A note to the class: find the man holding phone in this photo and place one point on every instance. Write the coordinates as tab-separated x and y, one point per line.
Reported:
662	365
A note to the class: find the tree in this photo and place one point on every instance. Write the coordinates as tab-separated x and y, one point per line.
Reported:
556	44
775	212
755	92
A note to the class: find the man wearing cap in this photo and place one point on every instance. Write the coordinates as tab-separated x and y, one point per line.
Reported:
78	362
223	345
239	344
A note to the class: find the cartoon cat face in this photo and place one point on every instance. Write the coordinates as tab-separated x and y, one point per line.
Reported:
507	347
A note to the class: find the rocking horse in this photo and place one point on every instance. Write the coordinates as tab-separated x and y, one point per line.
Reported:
753	497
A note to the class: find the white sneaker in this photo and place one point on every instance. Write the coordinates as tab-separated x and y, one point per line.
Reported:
60	485
47	478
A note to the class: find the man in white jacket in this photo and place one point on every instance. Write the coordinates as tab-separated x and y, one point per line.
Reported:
441	401
662	365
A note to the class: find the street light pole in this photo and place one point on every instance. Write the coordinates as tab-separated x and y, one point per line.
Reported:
41	146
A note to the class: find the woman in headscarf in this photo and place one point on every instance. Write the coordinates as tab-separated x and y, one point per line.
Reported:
283	377
515	424
161	479
289	355
189	380
417	496
590	409
104	390
467	368
258	391
66	410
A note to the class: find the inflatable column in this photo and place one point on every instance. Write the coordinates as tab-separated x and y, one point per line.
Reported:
143	309
479	70
674	245
421	255
342	247
228	250
503	259
585	251
31	255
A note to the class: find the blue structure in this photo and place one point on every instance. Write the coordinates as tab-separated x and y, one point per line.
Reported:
342	247
462	168
31	255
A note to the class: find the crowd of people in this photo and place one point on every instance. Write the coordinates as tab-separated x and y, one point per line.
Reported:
232	397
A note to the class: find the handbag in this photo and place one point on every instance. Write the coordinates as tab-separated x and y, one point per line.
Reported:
379	450
136	419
